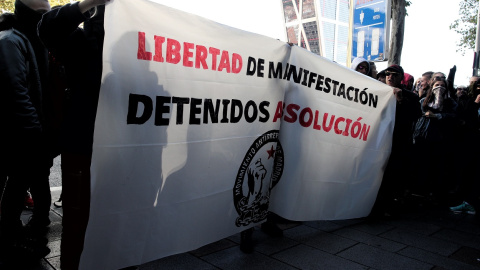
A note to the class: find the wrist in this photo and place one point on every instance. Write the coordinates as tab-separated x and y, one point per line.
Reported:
86	5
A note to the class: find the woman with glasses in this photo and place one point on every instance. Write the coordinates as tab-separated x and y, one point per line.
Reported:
433	140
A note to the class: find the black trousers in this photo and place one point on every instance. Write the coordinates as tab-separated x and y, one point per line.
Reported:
76	207
26	167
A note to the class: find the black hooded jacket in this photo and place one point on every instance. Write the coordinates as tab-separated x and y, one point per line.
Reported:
23	75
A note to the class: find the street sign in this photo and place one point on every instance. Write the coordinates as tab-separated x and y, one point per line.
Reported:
370	29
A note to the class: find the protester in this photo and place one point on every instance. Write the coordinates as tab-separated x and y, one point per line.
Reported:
469	176
461	92
397	170
434	139
381	76
24	114
424	84
473	79
360	65
373	70
408	81
80	51
416	85
450	80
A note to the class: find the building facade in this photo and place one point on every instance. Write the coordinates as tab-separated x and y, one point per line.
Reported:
320	26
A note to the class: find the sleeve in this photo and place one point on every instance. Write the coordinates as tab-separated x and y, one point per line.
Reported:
15	94
451	81
59	24
411	105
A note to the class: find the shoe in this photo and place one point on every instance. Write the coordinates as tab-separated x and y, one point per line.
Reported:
463	208
58	203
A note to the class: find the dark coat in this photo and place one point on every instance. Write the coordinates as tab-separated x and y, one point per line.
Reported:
20	94
407	113
80	51
23	80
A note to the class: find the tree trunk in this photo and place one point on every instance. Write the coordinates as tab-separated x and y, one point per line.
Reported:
398	28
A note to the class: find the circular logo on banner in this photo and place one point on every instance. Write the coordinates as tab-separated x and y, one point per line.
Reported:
260	171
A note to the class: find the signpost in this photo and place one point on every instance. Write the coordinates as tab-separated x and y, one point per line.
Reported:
371	29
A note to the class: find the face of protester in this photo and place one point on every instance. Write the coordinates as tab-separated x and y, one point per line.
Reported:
40	6
362	68
394	79
439	83
382	79
439	88
438	76
461	91
474	79
424	82
411	81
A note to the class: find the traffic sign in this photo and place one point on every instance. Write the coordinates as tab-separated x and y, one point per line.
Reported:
370	29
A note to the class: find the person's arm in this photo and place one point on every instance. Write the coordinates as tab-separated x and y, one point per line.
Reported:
451	81
86	5
58	24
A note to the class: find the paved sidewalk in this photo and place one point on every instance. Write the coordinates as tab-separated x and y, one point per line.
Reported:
425	238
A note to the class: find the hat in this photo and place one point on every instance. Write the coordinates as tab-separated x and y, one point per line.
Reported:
395	68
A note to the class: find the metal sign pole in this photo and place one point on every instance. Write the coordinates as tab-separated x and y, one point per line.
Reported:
477	46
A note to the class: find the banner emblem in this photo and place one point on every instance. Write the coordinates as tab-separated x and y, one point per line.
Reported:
255	179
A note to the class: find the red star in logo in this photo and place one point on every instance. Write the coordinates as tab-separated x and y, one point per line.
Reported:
271	152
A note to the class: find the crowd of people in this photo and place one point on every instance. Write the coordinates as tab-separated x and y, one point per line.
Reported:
50	72
435	140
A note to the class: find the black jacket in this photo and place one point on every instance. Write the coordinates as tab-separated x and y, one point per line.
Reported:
20	95
23	78
407	113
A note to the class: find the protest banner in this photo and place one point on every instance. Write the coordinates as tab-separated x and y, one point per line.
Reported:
199	123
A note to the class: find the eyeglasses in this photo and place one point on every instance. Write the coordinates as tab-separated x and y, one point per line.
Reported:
388	73
438	78
361	67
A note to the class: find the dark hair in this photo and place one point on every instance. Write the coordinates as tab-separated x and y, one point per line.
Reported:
428	73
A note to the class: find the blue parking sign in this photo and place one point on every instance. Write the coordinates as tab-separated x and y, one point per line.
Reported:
370	27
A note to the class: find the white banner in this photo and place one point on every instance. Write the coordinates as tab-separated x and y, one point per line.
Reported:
187	147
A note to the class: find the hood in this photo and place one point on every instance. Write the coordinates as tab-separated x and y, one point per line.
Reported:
406	78
27	19
7	21
357	61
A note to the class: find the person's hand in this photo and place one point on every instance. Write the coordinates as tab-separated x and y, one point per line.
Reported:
454	68
398	94
430	114
477	100
86	5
